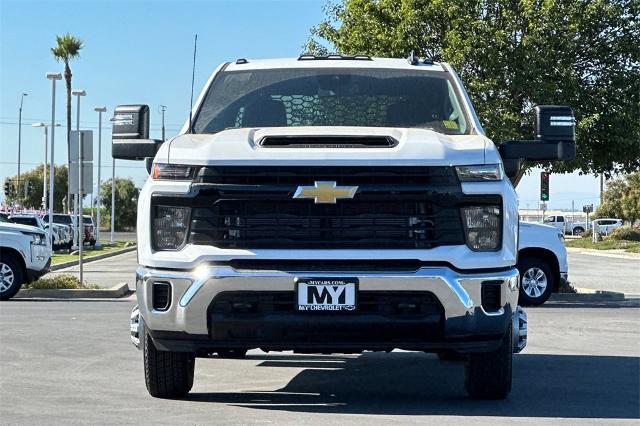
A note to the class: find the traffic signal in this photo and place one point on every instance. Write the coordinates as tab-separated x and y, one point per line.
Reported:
8	187
544	186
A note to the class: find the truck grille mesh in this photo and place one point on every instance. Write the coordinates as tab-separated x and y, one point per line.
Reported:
394	208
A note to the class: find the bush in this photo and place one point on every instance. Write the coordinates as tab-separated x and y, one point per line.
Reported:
625	233
59	281
587	234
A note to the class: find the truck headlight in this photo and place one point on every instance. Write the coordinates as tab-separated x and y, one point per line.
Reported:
172	172
480	173
170	225
37	238
482	227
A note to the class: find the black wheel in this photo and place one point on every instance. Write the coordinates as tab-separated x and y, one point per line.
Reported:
167	374
536	281
232	353
11	276
488	375
92	243
452	356
578	231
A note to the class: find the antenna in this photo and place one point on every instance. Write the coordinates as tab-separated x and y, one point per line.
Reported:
193	77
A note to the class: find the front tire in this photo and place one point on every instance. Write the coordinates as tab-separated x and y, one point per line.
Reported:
488	375
536	281
167	374
578	231
11	276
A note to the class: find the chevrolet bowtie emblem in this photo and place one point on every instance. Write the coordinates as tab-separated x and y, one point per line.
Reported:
325	192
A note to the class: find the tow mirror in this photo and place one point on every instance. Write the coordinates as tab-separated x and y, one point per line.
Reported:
130	133
554	139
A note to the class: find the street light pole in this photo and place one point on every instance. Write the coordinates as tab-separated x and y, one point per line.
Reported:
163	108
53	77
44	169
44	165
99	110
20	139
113	198
80	220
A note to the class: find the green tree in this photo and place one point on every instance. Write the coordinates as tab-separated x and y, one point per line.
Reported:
631	199
621	199
35	178
126	210
67	48
513	55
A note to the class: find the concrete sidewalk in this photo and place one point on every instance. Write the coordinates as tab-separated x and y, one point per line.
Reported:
106	272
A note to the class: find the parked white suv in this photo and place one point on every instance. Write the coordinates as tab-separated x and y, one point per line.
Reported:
605	226
331	204
542	262
25	255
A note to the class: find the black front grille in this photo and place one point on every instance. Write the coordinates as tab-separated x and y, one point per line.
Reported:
385	303
272	316
393	208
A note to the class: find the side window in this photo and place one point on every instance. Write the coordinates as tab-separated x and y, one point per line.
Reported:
550	219
560	219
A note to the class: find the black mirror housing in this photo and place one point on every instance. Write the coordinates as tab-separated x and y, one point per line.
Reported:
130	133
538	151
554	123
554	137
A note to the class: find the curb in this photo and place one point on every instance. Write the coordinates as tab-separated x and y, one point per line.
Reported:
114	292
588	295
603	253
70	263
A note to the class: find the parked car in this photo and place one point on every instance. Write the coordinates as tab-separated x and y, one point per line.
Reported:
542	262
605	226
89	230
25	255
61	236
63	223
70	220
565	225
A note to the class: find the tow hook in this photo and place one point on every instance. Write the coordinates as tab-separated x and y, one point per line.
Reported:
519	330
135	326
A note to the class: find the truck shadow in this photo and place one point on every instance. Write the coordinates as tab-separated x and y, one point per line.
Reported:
406	383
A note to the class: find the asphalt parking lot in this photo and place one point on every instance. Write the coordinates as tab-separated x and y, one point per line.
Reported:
72	363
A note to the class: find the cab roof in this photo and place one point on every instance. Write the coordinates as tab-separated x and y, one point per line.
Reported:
333	61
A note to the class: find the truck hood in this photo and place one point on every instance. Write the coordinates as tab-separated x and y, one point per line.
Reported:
16	227
532	227
415	147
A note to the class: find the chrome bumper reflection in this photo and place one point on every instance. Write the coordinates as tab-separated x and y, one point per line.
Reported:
193	291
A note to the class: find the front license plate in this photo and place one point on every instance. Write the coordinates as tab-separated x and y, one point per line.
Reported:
326	294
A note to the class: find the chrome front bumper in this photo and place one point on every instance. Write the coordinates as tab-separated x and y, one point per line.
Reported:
459	293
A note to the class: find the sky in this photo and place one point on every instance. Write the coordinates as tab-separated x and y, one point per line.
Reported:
141	52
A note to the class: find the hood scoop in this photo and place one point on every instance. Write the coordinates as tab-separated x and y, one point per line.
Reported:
355	141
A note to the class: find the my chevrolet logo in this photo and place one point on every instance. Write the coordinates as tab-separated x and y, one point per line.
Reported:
325	192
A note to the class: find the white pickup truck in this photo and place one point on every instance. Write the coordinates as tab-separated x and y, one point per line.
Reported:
331	204
542	262
25	255
565	225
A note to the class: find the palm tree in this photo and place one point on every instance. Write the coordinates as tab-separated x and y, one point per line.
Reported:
67	48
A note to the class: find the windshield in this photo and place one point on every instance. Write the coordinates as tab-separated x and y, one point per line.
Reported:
31	221
60	218
332	97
